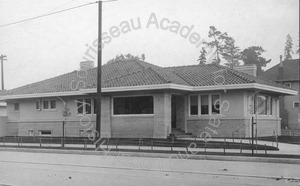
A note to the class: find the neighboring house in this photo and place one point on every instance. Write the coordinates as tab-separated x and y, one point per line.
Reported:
287	74
3	116
141	100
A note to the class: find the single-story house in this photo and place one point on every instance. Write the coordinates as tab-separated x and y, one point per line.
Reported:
287	73
142	100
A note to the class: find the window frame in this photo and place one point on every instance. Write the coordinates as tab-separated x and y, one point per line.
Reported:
40	133
288	83
131	115
38	103
83	103
198	103
48	101
17	110
270	105
210	104
295	102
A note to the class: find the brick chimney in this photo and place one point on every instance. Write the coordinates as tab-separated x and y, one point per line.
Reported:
86	65
280	69
248	69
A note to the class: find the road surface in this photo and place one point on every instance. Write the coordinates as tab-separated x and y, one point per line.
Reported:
25	168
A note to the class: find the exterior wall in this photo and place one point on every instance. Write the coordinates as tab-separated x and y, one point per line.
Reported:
181	107
293	119
3	125
28	118
235	118
3	111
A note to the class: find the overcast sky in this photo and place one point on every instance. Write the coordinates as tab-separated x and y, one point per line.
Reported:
54	45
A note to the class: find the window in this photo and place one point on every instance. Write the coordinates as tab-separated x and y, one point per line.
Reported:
38	104
262	106
45	105
296	104
79	106
194	105
204	105
86	106
288	84
215	102
133	105
52	104
49	104
45	132
17	107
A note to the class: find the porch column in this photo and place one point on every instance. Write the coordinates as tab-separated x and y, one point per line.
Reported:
162	115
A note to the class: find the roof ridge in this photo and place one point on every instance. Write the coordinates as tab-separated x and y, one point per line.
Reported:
180	76
161	76
131	73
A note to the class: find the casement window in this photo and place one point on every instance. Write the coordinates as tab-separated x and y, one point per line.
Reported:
263	104
215	102
133	105
49	105
194	105
45	132
296	104
17	107
288	84
204	104
86	106
38	105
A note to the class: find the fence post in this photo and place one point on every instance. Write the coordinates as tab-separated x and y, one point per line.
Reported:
107	143
241	148
152	145
205	146
3	140
21	141
85	145
277	140
233	137
18	140
117	143
224	145
265	149
61	142
40	142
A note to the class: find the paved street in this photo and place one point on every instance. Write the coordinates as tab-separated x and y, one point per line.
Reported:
23	168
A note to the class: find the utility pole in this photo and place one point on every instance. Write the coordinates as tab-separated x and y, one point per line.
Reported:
99	72
2	58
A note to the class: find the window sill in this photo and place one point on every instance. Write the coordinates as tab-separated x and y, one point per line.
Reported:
133	115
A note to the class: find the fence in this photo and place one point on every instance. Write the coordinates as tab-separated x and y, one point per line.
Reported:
227	146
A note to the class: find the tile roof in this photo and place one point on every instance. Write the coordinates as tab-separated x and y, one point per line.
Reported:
135	73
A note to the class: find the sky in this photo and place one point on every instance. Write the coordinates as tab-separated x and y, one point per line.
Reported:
53	45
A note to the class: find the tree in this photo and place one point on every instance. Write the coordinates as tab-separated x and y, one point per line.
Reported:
127	57
65	113
288	48
231	53
252	55
218	38
202	57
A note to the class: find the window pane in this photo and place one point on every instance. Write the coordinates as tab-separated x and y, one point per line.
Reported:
45	105
215	108
204	104
53	104
133	105
88	106
38	105
296	104
194	105
261	107
79	106
17	106
95	106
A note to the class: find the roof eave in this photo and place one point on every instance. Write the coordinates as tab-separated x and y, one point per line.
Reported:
273	89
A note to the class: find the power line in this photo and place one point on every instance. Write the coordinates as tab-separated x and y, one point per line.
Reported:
44	15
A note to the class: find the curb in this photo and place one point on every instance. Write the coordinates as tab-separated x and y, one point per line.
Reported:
178	156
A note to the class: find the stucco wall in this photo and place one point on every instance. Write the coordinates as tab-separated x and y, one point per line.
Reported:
3	120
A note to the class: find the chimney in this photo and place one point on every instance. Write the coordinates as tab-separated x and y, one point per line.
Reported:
280	69
250	69
86	65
